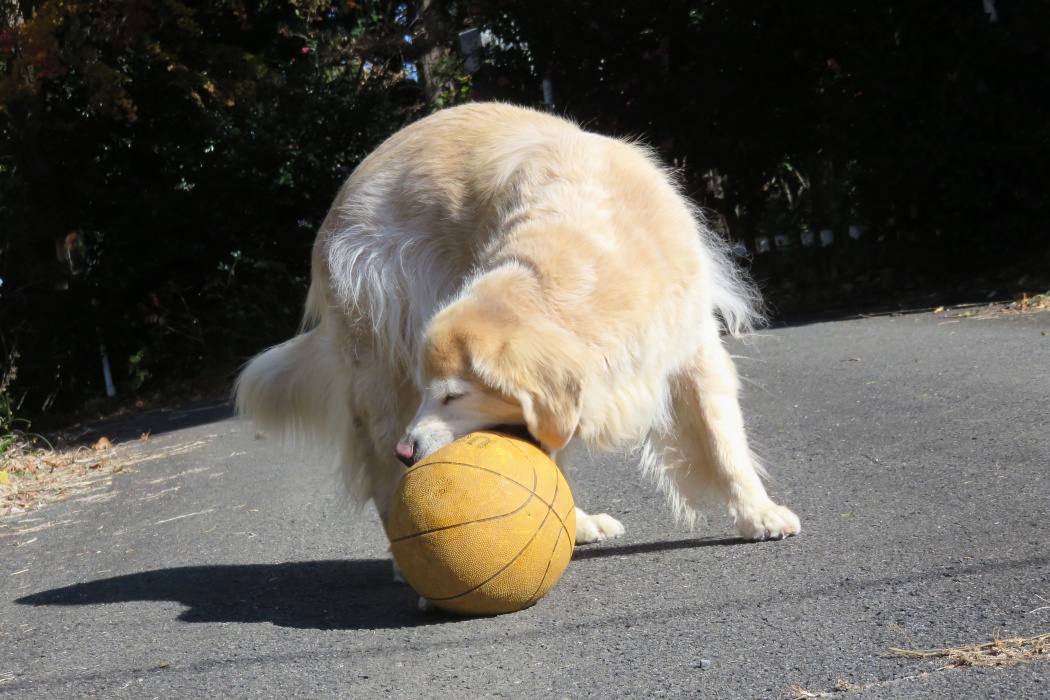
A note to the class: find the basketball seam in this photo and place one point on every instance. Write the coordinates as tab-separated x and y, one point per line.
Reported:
535	482
532	494
550	509
550	560
505	566
484	469
469	522
557	486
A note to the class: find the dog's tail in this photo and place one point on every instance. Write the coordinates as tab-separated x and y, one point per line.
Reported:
297	392
734	296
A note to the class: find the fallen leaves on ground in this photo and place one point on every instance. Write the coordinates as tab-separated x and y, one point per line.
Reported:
39	476
1027	303
998	652
30	479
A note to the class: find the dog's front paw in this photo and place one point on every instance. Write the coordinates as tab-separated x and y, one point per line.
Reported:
596	528
770	522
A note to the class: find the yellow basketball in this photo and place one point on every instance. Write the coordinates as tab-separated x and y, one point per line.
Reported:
483	526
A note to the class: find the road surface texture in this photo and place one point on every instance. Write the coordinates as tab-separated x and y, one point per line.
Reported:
915	449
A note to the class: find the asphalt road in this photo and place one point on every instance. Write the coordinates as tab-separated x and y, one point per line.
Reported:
916	450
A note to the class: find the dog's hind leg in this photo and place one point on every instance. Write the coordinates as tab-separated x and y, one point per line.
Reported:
706	453
381	402
370	472
378	400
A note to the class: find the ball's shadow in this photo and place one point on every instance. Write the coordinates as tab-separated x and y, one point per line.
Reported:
354	594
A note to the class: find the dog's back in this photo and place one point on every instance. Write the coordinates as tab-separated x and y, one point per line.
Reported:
449	195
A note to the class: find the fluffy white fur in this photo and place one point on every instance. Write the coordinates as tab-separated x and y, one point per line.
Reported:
494	265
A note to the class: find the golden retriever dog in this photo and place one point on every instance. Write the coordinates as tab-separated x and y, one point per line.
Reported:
493	266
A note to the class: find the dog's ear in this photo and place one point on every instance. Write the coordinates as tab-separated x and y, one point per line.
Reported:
539	366
551	404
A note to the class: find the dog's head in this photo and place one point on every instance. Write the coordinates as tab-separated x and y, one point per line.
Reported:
486	364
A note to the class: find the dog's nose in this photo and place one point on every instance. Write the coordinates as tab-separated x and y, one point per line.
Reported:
406	452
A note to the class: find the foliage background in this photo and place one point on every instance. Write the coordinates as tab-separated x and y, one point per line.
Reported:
164	165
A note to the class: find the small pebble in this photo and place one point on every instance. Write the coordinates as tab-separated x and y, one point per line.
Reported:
705	663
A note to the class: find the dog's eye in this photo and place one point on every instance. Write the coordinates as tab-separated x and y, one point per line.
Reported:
449	398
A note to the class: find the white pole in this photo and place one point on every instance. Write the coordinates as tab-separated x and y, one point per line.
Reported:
110	389
548	93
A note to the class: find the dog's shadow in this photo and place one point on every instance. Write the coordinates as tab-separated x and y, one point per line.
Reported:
351	594
327	595
605	550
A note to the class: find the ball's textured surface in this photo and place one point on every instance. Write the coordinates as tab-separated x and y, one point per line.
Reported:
483	526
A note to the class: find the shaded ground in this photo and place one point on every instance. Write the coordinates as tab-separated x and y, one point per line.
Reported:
896	289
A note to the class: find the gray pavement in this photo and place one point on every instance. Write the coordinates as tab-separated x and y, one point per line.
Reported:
916	450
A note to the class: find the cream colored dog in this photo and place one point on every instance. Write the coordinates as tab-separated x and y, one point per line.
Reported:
495	266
